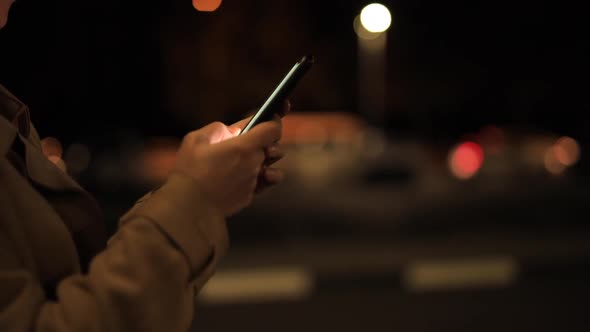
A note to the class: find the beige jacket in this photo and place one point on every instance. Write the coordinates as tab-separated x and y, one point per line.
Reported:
144	279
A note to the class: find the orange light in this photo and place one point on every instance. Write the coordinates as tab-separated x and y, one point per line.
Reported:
206	5
552	165
51	147
567	151
465	160
57	161
311	132
158	159
321	128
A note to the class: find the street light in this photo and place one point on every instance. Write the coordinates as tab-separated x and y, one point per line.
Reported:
371	27
376	18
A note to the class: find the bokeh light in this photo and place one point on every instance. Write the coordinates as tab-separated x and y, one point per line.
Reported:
320	128
534	149
51	147
465	160
206	5
363	33
552	165
376	17
57	161
567	151
158	159
311	132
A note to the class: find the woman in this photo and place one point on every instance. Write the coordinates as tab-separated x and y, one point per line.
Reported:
57	273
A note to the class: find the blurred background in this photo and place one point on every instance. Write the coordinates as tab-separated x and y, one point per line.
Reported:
437	156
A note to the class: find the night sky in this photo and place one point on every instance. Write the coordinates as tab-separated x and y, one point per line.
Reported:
161	68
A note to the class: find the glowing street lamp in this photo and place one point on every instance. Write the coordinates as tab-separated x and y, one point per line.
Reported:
371	29
376	18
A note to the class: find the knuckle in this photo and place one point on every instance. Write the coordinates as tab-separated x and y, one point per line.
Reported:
190	137
217	124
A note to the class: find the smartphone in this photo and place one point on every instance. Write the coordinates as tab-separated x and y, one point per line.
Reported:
281	93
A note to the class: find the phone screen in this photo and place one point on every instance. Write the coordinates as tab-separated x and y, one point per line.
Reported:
281	92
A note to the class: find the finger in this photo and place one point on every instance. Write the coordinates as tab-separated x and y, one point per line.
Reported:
273	175
267	180
235	131
273	154
264	134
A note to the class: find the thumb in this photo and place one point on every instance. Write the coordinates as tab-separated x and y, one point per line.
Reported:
214	133
235	131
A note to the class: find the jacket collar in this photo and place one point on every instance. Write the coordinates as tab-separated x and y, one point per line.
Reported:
44	172
7	134
15	111
15	121
14	117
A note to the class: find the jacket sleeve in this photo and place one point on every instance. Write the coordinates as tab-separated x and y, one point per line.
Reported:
145	280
